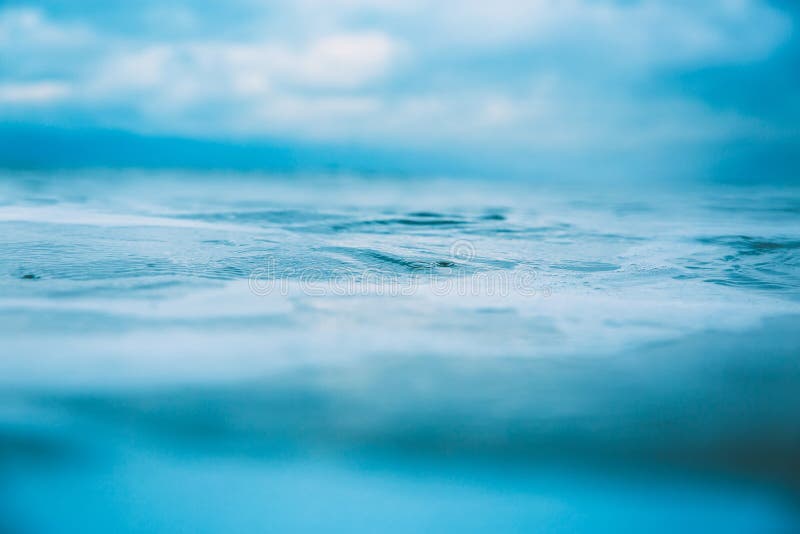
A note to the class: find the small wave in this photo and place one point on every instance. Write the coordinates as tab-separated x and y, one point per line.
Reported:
585	266
752	245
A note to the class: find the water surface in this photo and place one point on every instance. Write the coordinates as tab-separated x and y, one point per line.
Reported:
224	352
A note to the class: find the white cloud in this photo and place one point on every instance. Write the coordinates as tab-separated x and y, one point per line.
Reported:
337	62
347	60
646	32
28	26
42	92
411	72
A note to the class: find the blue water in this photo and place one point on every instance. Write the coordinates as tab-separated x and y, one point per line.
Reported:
237	352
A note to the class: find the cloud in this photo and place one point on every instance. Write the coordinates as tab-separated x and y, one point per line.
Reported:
30	26
645	32
336	62
33	93
503	75
246	88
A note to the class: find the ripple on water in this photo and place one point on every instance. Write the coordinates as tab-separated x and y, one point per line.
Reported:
752	245
743	261
585	266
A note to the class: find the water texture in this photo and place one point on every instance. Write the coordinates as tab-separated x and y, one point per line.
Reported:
219	352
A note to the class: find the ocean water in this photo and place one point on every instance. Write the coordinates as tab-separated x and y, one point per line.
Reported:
224	352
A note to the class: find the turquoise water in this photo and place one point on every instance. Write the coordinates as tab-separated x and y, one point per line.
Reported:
223	352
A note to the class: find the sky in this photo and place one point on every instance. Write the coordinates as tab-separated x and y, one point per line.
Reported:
652	89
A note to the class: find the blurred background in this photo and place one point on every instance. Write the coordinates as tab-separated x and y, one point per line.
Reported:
361	265
645	90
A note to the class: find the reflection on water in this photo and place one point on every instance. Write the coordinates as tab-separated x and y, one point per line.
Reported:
218	353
